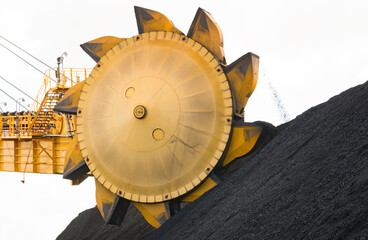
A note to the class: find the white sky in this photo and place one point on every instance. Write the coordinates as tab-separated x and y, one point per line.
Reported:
309	51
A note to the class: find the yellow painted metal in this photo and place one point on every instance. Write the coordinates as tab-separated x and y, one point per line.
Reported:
205	30
243	77
208	184
15	126
73	154
68	78
151	21
104	199
112	207
154	213
186	95
58	125
41	119
75	167
34	156
69	103
97	48
242	142
20	148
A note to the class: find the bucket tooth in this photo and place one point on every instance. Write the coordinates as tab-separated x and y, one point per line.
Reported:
154	213
97	48
248	138
69	103
205	30
76	168
243	140
150	21
112	207
243	76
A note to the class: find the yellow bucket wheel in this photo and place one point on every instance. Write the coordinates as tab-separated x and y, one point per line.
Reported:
160	117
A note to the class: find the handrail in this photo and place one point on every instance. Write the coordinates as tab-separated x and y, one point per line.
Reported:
37	113
70	76
15	125
22	125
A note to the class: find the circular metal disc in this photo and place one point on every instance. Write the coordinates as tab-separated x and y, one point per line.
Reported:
154	117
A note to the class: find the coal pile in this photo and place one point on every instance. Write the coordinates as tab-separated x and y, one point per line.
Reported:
310	181
89	225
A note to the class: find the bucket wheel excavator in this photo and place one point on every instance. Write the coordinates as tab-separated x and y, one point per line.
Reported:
159	120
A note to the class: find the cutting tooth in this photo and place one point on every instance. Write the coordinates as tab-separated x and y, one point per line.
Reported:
149	21
97	48
76	168
154	213
243	76
243	140
247	139
112	207
69	103
205	30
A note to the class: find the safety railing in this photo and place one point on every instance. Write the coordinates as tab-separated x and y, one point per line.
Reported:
18	125
67	78
15	125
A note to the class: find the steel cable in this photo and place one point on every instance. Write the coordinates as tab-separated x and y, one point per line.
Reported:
26	52
30	56
28	62
15	100
19	89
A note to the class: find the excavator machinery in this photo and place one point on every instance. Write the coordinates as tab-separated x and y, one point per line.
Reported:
157	122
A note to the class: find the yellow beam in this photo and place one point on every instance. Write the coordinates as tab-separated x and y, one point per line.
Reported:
33	156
